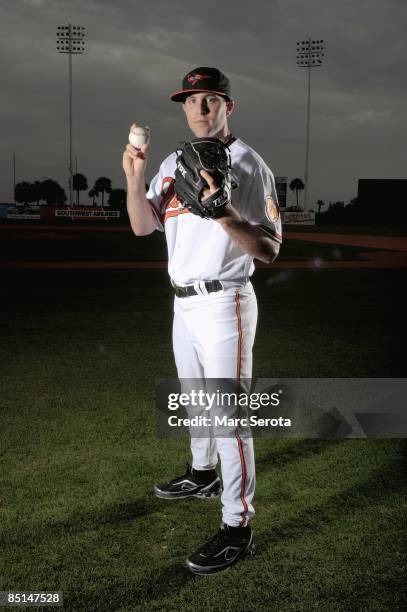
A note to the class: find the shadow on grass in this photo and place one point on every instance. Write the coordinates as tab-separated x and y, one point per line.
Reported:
172	578
80	522
125	595
282	456
155	583
393	479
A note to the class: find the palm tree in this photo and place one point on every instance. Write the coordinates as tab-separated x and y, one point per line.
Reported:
79	183
52	192
23	192
93	194
35	193
103	185
296	185
320	204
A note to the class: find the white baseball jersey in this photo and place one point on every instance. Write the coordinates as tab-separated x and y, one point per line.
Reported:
200	249
213	334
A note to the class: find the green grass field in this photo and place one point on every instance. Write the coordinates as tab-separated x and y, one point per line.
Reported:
78	454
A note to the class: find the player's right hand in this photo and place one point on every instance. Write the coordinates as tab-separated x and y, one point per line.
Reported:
135	160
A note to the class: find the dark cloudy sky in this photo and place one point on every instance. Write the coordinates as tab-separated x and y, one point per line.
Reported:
138	51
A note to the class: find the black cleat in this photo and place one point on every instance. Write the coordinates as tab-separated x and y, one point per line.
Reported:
227	547
190	484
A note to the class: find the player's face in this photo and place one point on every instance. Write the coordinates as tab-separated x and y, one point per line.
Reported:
207	113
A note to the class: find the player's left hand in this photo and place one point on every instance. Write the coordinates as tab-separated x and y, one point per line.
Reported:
212	186
202	177
228	210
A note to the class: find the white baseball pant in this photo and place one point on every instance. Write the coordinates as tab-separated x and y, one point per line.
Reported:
213	337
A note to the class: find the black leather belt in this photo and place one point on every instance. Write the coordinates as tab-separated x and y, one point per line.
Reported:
189	290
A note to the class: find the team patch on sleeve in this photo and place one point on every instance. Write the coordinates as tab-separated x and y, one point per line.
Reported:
272	209
167	190
166	184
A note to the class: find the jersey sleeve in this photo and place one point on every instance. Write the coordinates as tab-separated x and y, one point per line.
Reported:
154	196
262	208
161	190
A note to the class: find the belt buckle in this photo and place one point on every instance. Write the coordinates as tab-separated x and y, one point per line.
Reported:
213	286
183	292
205	287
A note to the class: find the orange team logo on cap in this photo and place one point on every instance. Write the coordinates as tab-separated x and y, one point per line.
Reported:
195	77
272	210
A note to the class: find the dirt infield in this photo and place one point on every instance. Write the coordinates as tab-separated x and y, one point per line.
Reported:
389	251
385	259
391	243
65	228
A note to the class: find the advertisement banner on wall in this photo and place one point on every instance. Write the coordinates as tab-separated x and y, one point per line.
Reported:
87	213
23	216
4	210
298	218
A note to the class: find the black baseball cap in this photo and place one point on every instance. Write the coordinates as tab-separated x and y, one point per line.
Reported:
203	79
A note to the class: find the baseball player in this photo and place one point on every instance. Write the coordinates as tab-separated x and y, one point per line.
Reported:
215	309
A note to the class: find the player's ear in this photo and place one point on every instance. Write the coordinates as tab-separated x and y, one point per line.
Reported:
230	105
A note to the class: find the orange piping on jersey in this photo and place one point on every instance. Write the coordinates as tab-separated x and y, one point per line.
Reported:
239	441
175	213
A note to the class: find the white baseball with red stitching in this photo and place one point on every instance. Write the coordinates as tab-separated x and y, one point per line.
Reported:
139	136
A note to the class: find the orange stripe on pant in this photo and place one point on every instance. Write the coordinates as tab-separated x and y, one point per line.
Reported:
239	441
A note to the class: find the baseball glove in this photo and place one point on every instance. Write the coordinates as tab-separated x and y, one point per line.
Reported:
208	154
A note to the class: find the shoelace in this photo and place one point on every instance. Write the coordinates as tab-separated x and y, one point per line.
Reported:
187	473
219	539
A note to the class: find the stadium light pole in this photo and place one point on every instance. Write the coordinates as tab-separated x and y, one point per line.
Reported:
70	40
14	176
309	55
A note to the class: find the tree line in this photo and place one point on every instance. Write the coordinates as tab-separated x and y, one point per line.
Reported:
50	192
333	208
